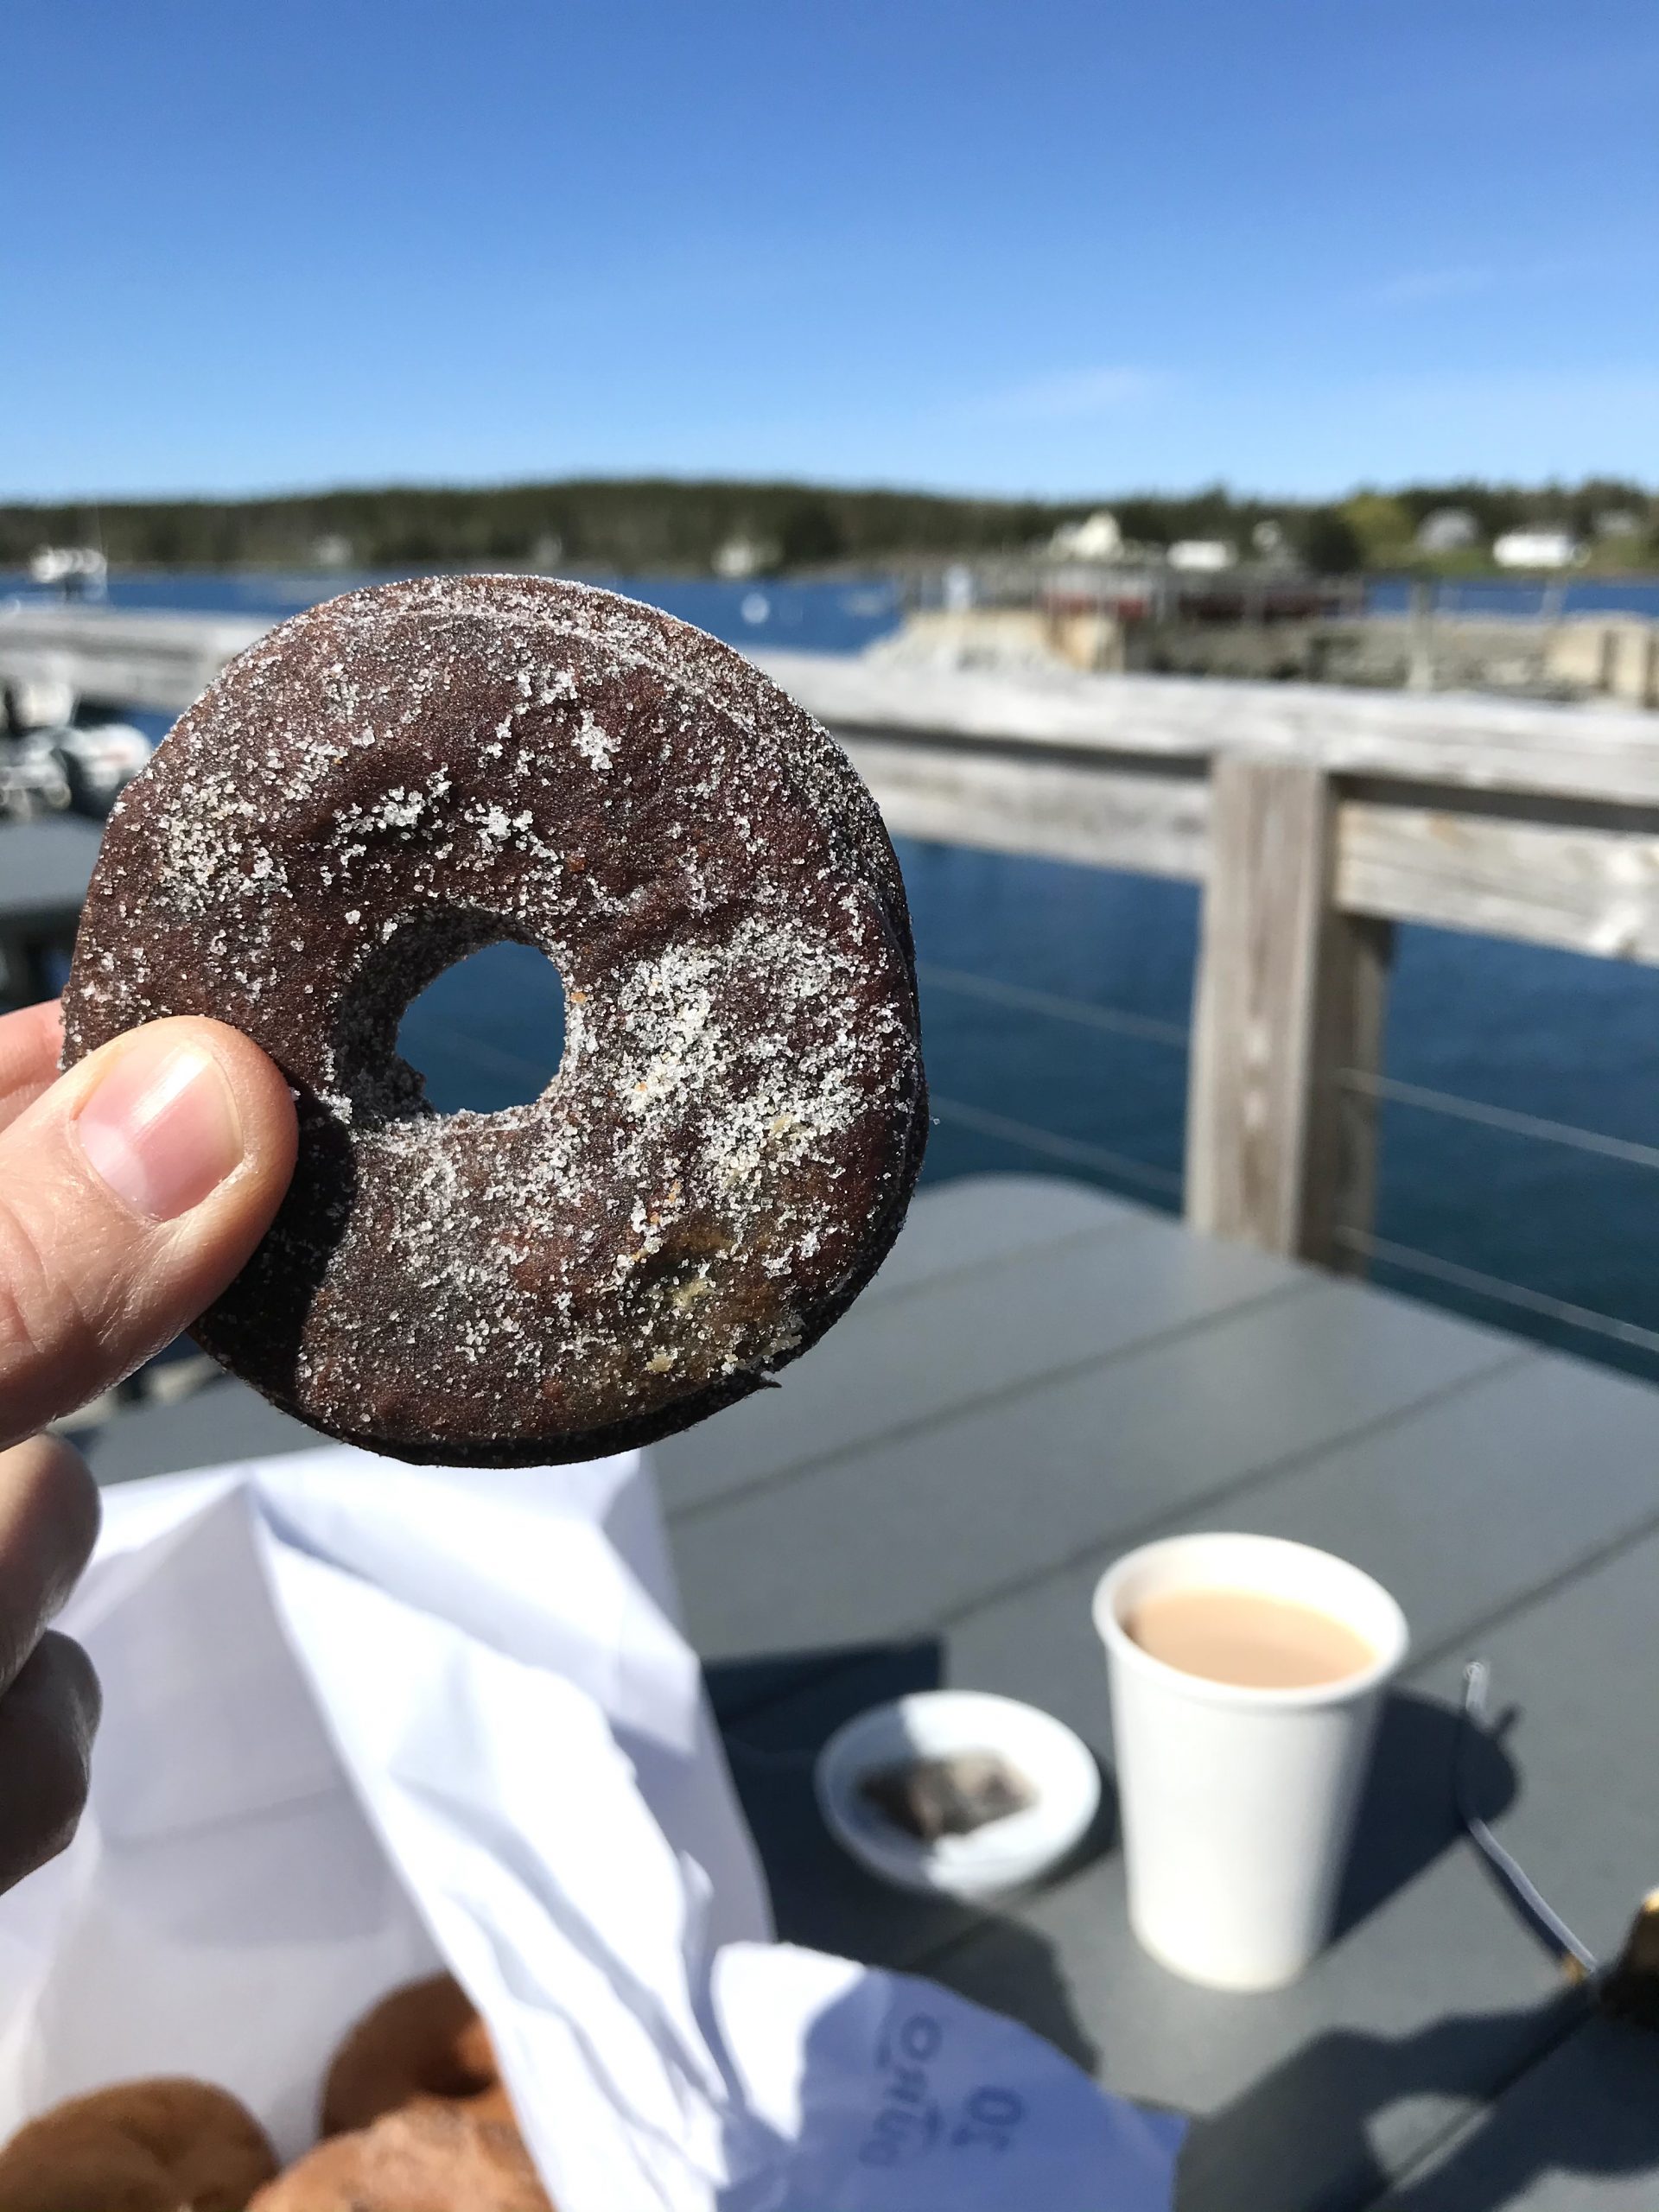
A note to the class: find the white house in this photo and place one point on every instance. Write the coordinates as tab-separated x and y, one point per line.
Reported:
1202	556
1536	548
1448	529
742	555
1097	538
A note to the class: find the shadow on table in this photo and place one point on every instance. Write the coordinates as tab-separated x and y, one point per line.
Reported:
1585	2107
775	1713
1407	1815
1590	2111
1304	2135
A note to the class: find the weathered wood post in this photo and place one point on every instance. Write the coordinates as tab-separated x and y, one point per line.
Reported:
1420	637
1291	992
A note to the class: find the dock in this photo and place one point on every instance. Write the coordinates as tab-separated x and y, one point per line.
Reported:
1042	1376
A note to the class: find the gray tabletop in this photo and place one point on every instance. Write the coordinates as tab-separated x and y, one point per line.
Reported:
45	868
1042	1375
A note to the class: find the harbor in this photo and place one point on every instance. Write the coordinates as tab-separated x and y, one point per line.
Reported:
1558	644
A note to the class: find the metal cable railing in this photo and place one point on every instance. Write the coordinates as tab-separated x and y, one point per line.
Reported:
1499	1118
1514	1122
994	992
1072	1150
1407	1257
1112	1021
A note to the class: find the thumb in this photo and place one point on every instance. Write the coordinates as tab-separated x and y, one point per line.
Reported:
130	1194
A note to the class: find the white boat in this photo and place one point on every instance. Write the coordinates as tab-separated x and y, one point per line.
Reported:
33	779
78	571
99	760
83	765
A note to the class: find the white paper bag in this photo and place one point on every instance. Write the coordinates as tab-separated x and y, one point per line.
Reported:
361	1722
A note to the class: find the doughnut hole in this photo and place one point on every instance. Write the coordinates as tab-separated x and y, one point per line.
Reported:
415	1036
471	1059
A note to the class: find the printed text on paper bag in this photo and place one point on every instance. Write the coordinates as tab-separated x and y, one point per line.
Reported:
912	2121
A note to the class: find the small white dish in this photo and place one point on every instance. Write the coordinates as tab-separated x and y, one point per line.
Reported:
1004	1855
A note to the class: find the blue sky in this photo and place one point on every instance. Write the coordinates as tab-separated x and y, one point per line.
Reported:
1060	246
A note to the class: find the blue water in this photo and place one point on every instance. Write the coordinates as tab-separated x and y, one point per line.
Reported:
1506	595
1569	1038
835	617
838	618
1573	1039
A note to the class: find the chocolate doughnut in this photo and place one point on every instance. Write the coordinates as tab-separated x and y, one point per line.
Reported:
432	2157
424	2042
164	2145
406	774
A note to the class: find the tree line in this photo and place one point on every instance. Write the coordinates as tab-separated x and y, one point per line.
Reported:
671	525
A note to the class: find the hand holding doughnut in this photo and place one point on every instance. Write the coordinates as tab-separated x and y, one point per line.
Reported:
130	1192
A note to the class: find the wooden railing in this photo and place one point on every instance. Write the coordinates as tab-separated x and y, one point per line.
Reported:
1315	819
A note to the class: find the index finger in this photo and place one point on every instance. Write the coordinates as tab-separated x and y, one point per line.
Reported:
48	1523
30	1042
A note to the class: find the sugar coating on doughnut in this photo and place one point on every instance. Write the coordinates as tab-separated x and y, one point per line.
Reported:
402	775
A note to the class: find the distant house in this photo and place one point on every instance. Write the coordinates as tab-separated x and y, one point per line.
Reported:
1536	548
1202	556
1447	529
1097	538
1618	523
741	557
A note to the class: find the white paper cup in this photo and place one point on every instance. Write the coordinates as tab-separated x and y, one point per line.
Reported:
1237	1805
